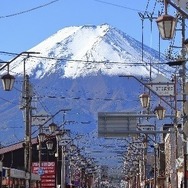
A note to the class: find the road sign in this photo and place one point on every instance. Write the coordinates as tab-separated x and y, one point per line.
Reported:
116	124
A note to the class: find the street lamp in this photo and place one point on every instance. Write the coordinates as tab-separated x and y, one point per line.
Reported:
145	100
41	138
49	145
160	112
52	127
8	81
166	24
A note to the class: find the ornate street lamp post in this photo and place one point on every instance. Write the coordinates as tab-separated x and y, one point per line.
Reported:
160	112
145	100
8	82
52	127
166	24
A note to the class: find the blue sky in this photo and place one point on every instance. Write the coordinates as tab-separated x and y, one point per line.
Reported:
24	24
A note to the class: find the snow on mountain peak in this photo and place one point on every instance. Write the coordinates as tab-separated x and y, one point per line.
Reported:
86	50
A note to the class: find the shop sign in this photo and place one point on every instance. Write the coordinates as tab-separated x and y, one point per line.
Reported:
47	172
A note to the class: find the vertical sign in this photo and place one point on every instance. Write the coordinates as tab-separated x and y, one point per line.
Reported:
47	172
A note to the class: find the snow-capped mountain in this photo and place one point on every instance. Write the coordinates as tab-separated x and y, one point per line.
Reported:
78	68
86	50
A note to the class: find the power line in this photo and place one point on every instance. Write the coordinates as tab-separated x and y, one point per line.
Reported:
80	60
29	10
89	62
120	6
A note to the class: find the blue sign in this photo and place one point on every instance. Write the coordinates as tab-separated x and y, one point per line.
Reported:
40	171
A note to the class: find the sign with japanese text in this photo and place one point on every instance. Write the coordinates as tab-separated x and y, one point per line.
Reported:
163	89
47	170
162	86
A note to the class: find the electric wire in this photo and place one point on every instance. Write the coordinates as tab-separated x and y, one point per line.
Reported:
29	10
60	60
120	6
76	60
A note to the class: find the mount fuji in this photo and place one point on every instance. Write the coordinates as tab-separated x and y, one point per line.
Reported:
86	50
78	68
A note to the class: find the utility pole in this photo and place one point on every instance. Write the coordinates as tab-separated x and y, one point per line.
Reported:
26	106
63	167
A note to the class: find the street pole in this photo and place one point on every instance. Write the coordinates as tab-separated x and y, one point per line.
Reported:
26	96
57	162
65	140
155	167
63	167
27	111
